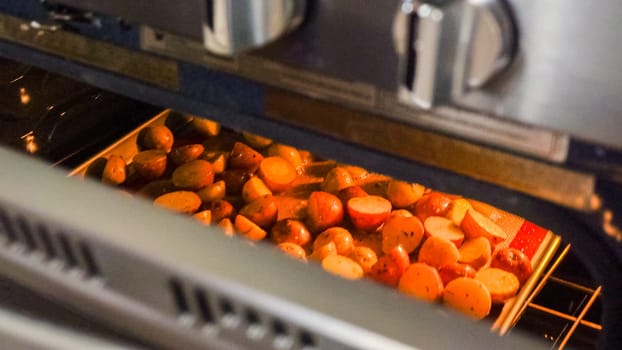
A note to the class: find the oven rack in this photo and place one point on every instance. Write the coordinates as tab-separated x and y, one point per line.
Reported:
575	320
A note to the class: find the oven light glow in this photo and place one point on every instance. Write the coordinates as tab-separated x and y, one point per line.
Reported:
30	142
24	96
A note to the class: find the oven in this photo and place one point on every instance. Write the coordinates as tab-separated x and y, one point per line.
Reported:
492	100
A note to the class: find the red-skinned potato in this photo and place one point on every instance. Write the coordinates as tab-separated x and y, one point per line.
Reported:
324	210
404	231
474	224
289	153
438	251
342	266
340	236
184	154
235	180
400	256
452	271
386	271
254	188
364	256
367	213
336	180
322	252
475	252
350	192
443	227
244	157
150	165
403	194
421	281
262	211
277	173
156	137
114	172
179	201
290	231
247	228
514	261
193	175
293	250
222	209
432	204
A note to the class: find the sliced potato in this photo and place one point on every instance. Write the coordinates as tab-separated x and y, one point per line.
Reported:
206	127
291	231
422	281
245	227
150	165
184	154
256	141
213	192
322	252
204	216
443	227
364	256
367	213
402	230
277	173
469	296
438	251
262	211
114	172
293	250
336	180
457	210
290	154
193	175
179	201
342	266
500	283
475	252
475	224
227	226
340	236
254	188
403	194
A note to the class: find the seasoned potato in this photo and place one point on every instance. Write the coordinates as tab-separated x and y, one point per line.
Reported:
290	154
184	154
350	192
513	261
340	236
235	180
256	141
386	271
213	192
247	228
322	252
336	180
500	283
206	127
364	256
180	201
156	137
468	296
254	188
150	165
342	266
450	272
262	211
369	212
422	281
437	251
222	209
432	204
324	210
404	231
114	171
204	216
293	250
277	173
244	157
292	231
193	175
227	226
403	194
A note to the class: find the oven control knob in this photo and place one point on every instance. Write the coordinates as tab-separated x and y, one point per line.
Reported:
232	26
447	47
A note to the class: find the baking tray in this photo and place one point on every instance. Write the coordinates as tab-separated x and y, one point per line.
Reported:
543	243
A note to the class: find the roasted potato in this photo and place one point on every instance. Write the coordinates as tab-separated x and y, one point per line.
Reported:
402	194
235	180
180	201
254	188
222	209
513	261
290	154
432	204
277	173
150	165
340	236
114	172
244	157
291	231
262	211
184	154
193	175
256	141
213	192
156	137
324	210
206	127
336	180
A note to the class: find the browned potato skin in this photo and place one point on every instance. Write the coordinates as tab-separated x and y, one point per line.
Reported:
114	171
350	192
244	157
156	137
213	192
222	209
290	231
432	204
262	211
180	201
336	180
157	188
193	175
514	261
184	154
235	180
150	165
324	210
293	250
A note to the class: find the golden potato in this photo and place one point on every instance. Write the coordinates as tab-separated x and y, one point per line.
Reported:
184	154
193	175
256	141
336	180
244	157
403	194
150	165
291	231
213	192
262	211
114	172
206	127
290	154
254	188
156	137
179	201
